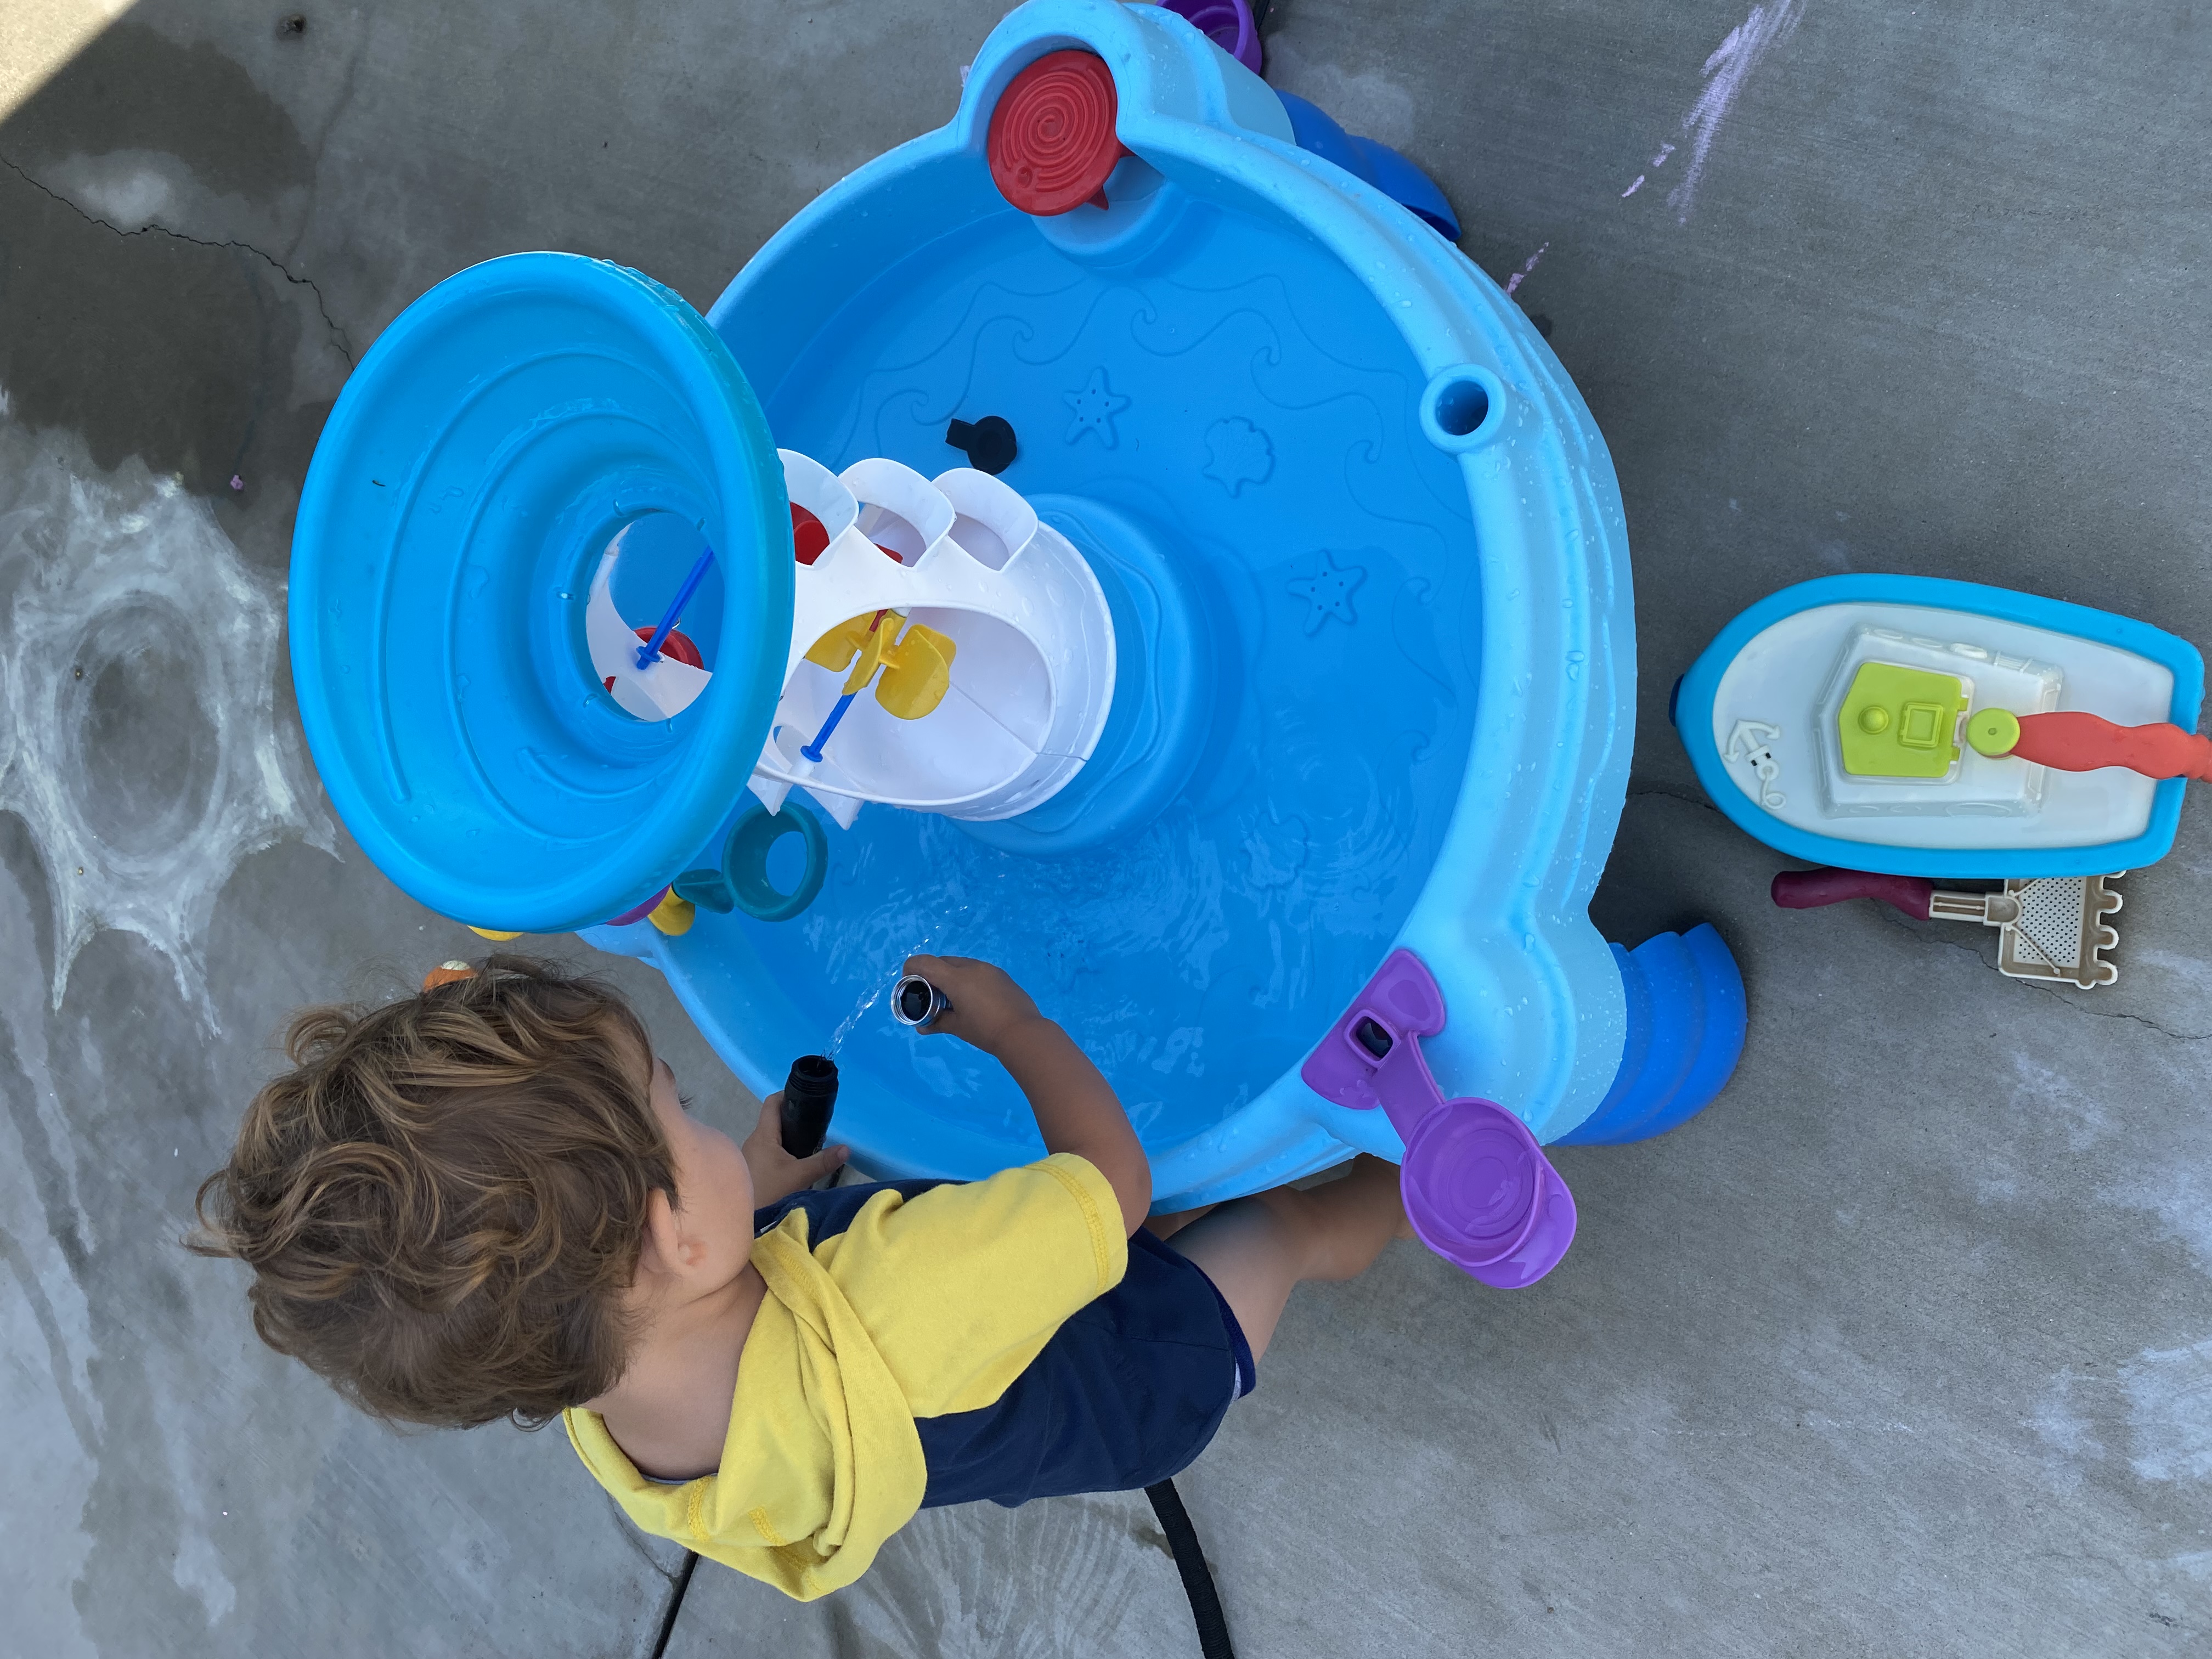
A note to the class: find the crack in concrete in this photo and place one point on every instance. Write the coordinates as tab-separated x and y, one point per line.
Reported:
1698	801
630	1535
1898	924
338	107
678	1585
2140	1019
338	335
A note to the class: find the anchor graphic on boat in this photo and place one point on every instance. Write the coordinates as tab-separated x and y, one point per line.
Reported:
1752	743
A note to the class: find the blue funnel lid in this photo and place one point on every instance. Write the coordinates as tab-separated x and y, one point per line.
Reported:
498	436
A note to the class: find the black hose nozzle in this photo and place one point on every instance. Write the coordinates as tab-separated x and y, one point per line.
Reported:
810	1095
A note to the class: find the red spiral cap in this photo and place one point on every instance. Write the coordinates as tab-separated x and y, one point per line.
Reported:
1052	139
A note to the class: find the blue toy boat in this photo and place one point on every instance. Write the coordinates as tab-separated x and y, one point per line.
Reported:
1912	727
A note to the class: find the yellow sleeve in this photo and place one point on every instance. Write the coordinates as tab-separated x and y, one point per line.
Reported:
962	1285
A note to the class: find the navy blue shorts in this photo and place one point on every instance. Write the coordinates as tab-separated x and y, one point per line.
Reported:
1128	1392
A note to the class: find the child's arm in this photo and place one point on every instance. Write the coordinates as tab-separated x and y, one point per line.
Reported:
1075	1107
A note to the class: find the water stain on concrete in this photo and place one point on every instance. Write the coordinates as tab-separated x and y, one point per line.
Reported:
143	337
134	89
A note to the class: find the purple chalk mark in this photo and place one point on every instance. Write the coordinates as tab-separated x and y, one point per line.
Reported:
237	482
1522	274
1726	72
1660	160
1633	188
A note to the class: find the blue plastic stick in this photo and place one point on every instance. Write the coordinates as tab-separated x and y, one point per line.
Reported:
651	649
813	751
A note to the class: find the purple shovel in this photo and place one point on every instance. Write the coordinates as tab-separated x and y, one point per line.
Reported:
1478	1188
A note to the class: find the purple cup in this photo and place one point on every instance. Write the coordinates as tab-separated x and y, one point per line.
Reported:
1227	23
1473	1184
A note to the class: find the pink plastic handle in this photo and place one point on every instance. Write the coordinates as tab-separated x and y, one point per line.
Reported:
2073	741
1807	890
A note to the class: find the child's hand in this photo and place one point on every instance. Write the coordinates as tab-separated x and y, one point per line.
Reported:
776	1173
1075	1106
986	1004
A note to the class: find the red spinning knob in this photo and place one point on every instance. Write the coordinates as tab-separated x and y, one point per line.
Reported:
1052	139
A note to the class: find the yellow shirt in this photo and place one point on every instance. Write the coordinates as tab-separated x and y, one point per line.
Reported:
922	1306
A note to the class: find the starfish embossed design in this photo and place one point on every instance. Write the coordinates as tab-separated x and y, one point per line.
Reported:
1328	590
1095	404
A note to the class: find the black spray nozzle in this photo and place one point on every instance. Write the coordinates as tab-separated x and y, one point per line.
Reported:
989	442
810	1095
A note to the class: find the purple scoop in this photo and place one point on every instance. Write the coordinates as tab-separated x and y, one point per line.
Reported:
1481	1194
1478	1188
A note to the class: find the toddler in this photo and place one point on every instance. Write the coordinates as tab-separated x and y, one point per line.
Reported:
490	1200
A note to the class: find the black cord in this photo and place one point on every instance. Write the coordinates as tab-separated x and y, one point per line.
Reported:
1183	1542
683	1582
1197	1580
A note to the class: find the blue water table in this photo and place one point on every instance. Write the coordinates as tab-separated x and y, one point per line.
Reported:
1101	536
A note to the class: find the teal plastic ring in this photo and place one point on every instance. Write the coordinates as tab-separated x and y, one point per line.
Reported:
745	860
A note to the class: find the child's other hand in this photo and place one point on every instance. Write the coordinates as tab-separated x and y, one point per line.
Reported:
776	1173
986	1002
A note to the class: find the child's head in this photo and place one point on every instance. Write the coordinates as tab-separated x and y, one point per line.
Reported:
444	1201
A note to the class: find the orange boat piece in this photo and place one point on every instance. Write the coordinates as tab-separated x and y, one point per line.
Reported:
2075	742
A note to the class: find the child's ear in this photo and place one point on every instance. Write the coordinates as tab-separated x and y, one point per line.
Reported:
663	1249
670	1247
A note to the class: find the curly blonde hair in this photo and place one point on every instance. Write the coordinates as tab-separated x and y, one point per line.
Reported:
443	1200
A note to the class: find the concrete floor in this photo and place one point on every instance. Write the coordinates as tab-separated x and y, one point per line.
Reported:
1903	1348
